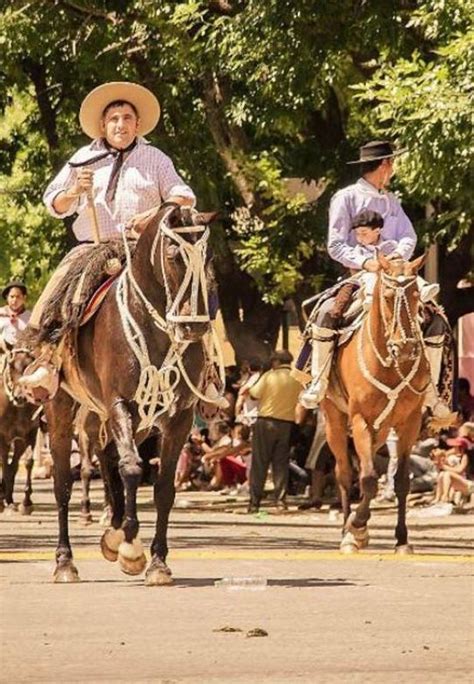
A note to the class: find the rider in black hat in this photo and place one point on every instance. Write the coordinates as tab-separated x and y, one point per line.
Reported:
368	204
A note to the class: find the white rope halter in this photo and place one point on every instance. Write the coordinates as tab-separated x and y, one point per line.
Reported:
155	393
400	285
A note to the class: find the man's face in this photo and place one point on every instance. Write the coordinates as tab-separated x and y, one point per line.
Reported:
120	126
16	299
366	235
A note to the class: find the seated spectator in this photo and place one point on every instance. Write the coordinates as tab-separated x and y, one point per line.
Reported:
423	472
246	408
453	470
226	457
189	460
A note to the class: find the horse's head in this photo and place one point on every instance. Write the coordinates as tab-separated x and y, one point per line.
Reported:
13	365
398	294
179	255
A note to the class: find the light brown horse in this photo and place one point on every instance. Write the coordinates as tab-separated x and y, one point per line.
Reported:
378	383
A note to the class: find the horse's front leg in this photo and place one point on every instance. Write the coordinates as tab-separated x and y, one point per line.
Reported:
10	468
60	416
356	534
173	438
337	431
130	551
408	436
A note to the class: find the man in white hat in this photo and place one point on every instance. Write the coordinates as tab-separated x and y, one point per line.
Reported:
125	177
365	217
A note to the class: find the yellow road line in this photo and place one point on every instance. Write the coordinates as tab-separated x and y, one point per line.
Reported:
244	554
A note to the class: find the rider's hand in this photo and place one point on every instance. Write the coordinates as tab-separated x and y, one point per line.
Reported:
141	221
371	265
83	183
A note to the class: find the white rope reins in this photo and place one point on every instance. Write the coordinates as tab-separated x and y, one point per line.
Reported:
414	335
155	393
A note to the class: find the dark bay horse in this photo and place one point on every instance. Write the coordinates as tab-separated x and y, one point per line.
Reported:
18	431
378	384
139	362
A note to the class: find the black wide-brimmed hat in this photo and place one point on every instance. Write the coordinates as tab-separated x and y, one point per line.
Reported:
14	283
377	149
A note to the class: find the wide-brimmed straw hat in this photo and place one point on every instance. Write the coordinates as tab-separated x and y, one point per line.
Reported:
377	149
141	98
14	283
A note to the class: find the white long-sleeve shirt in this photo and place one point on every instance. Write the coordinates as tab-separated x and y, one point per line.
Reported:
12	324
397	234
146	180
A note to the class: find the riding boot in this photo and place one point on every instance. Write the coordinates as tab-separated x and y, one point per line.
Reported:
323	350
434	355
43	373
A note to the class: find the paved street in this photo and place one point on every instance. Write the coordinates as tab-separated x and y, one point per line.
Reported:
327	617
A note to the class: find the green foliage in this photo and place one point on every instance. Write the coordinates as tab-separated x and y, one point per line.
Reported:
249	98
426	101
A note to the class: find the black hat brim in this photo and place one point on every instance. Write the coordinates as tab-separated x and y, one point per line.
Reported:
8	287
383	156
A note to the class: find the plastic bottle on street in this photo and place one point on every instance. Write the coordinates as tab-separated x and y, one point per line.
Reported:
234	583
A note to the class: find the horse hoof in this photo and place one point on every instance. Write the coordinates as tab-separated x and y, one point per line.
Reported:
66	574
157	578
11	509
26	509
131	557
349	548
110	542
404	550
85	519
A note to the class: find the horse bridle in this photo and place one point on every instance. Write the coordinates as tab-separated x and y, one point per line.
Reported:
155	390
400	284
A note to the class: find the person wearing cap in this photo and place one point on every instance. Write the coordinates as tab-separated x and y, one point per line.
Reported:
365	218
125	177
14	316
455	470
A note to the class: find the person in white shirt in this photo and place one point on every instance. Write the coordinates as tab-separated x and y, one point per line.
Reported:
125	178
14	316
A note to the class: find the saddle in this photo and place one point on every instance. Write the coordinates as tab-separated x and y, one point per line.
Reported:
348	308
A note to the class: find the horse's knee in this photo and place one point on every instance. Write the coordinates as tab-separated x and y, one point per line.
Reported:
368	485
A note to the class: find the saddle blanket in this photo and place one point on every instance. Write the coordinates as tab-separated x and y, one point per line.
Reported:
97	298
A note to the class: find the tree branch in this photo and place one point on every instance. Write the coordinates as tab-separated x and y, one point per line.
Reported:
37	73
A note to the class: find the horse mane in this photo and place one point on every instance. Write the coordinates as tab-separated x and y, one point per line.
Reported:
64	310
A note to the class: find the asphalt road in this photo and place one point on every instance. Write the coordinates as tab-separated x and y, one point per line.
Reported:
327	617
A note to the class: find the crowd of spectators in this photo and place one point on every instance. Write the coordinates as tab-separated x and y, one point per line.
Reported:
264	429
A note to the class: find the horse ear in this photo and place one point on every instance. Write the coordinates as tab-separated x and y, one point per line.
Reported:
204	218
415	265
383	261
